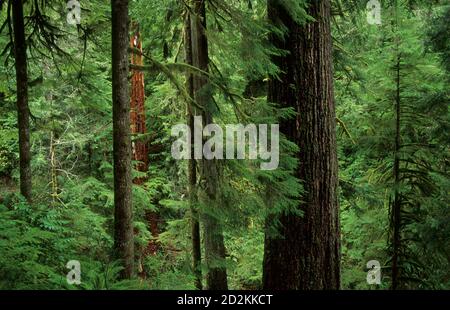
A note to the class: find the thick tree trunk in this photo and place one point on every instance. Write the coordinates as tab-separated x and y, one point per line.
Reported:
23	112
123	212
306	255
216	277
192	166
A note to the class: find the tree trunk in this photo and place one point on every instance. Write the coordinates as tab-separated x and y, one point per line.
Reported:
216	277
123	212
192	166
306	254
23	112
397	204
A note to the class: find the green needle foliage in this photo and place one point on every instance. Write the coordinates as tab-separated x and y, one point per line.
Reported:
384	75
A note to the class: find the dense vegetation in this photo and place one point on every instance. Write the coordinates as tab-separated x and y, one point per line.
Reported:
364	121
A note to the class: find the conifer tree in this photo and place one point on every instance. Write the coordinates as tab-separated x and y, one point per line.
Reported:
192	166
123	212
306	254
23	111
216	276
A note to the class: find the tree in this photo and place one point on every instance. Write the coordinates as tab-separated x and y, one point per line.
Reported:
216	276
306	253
397	203
192	166
23	111
394	174
123	212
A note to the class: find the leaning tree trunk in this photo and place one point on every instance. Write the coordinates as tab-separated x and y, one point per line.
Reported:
216	276
306	255
192	166
123	212
23	112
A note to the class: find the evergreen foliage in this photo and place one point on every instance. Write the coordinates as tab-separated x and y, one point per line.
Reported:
404	61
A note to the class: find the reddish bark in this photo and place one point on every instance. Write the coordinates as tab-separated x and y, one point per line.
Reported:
137	111
140	147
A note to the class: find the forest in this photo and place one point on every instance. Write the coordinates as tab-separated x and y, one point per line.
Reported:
224	145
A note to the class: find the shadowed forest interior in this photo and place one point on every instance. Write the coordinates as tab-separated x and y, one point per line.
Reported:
92	196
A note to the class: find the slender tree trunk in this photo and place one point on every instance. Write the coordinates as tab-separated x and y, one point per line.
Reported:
396	208
192	166
123	212
23	112
216	277
397	203
306	255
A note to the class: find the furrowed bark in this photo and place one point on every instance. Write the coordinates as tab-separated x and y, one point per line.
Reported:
23	112
216	276
123	212
306	255
192	165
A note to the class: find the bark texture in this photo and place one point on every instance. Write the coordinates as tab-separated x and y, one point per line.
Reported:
23	112
216	276
123	212
306	254
192	165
